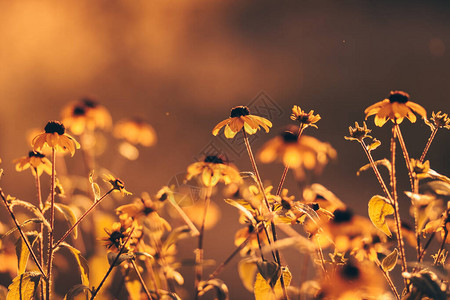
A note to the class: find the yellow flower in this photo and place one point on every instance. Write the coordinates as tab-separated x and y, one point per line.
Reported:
55	137
420	170
212	170
305	119
36	161
301	153
438	120
85	114
395	108
135	132
117	184
116	236
240	117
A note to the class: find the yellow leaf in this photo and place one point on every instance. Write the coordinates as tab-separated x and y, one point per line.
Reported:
247	271
379	208
69	215
263	291
24	286
81	261
22	251
390	261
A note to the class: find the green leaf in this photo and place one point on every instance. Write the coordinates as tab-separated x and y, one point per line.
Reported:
81	261
390	261
374	145
77	290
35	220
247	272
69	215
123	257
94	186
383	162
16	202
264	291
24	286
241	208
270	271
379	208
22	251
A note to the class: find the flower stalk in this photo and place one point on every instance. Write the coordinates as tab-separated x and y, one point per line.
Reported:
52	226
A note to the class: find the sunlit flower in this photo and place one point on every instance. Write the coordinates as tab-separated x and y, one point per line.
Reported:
420	169
301	153
116	236
353	280
85	114
55	137
36	161
240	117
305	119
438	120
135	132
212	170
117	184
395	108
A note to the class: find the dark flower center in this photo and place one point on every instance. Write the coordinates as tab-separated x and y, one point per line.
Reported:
213	159
285	204
349	271
35	154
239	111
399	97
89	103
341	216
163	197
79	111
148	210
289	137
55	126
314	206
115	237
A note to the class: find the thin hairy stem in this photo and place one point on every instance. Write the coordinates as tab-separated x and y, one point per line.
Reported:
141	280
22	234
405	155
41	235
81	218
199	250
427	146
398	223
52	226
416	220
194	230
111	267
388	279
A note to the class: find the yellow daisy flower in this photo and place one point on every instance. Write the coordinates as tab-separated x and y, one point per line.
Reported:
55	137
116	236
135	132
305	119
85	115
305	152
212	170
395	108
36	161
240	117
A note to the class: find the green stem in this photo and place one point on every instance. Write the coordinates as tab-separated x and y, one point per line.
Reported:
52	226
81	218
22	234
427	146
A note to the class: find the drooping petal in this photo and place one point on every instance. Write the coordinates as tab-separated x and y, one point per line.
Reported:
236	124
411	116
417	108
249	129
38	142
374	108
229	134
217	128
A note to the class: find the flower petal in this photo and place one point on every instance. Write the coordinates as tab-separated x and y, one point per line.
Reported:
217	128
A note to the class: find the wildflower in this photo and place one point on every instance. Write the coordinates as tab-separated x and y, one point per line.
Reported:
85	115
301	153
117	184
438	120
135	132
214	169
395	108
36	161
55	137
358	133
240	117
420	170
116	236
305	119
249	232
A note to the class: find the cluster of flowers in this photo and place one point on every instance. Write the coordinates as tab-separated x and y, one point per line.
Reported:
353	255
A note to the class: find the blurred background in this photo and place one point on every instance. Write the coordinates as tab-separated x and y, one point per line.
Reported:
181	66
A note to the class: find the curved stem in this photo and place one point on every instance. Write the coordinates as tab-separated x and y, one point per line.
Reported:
81	218
427	146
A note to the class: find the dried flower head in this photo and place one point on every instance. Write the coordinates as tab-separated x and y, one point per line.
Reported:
395	108
55	136
358	133
117	184
438	120
305	119
240	117
420	170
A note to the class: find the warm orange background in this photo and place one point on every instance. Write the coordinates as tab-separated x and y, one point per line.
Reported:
181	65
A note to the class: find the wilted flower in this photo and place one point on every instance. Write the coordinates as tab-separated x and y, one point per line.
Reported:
85	114
395	108
55	137
420	169
240	117
305	119
438	120
358	133
36	161
214	169
117	184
